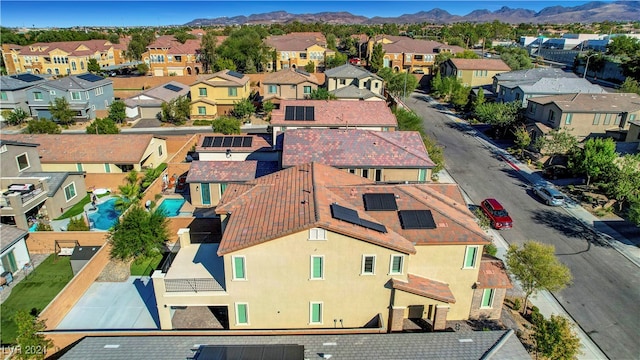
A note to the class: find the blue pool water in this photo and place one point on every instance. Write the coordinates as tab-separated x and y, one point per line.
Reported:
34	227
106	216
171	207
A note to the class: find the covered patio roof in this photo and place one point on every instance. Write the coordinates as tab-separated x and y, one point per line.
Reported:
120	66
426	288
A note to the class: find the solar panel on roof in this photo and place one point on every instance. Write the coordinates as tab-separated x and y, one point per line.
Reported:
217	141
247	141
208	140
351	216
237	141
299	113
172	87
27	77
226	142
90	77
309	113
302	72
416	219
380	202
290	113
235	74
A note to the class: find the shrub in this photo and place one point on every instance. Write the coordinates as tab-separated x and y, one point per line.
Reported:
44	227
77	224
491	249
517	304
483	220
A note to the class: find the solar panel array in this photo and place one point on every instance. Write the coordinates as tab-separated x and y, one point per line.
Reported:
172	87
416	219
351	216
299	113
27	77
380	202
235	74
227	141
90	77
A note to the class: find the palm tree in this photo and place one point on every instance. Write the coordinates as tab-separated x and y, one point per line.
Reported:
129	192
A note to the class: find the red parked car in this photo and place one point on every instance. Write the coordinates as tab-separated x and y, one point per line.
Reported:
354	61
498	216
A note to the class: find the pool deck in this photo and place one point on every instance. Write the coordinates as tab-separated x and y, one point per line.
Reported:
61	225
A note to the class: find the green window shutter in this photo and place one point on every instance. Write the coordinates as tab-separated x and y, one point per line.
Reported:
317	268
223	187
107	168
487	296
469	261
316	313
422	174
79	166
242	313
238	264
396	265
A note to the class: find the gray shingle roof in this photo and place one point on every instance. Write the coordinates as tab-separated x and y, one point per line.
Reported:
559	86
446	345
53	179
9	235
532	75
9	83
73	82
353	92
350	72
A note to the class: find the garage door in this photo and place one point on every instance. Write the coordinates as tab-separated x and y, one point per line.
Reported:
158	72
149	113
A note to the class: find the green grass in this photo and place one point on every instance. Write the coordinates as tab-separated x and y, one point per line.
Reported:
145	266
202	122
36	291
78	208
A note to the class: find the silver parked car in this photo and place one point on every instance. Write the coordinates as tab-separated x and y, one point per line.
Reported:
549	195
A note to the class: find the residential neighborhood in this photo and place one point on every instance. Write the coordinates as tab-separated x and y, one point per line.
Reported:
315	190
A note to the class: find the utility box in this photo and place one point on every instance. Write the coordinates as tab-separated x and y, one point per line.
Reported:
81	256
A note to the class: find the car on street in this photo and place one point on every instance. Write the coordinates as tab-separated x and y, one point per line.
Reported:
498	216
418	71
549	195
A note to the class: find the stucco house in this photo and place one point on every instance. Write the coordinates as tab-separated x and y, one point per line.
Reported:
288	84
148	104
166	56
522	91
215	94
585	115
404	54
296	50
13	93
85	93
332	114
14	254
28	192
348	82
474	72
381	156
99	154
340	247
526	76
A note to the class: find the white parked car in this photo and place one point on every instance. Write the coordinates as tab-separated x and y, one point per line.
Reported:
549	195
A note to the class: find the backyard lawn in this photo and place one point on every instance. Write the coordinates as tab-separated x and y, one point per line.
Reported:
145	266
36	291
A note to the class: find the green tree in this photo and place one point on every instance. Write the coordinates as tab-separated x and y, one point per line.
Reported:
117	111
335	60
226	125
376	62
77	224
103	126
61	111
515	58
223	64
93	66
321	94
15	117
129	192
630	85
150	175
182	37
42	126
30	336
536	268
634	212
460	96
555	338
436	153
142	68
479	99
268	107
243	109
138	233
623	46
402	84
176	111
310	67
500	115
245	46
331	42
625	182
386	74
208	46
596	158
558	142
523	138
631	67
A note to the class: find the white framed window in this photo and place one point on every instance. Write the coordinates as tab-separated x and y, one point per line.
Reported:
23	161
3	95
315	313
317	234
567	120
317	267
242	314
368	265
75	95
202	91
307	90
396	264
232	91
239	269
487	298
273	89
52	92
93	107
470	255
99	91
70	191
159	150
37	96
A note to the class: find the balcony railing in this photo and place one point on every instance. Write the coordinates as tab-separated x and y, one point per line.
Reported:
24	196
192	285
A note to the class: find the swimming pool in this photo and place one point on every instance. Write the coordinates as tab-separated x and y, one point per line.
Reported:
34	227
106	216
171	207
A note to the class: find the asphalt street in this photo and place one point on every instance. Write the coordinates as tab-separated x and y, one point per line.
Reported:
604	296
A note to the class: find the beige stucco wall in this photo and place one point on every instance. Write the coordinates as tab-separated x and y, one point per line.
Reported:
9	163
280	267
211	156
196	194
153	153
394	175
288	91
219	94
409	301
89	168
444	263
634	133
211	110
59	202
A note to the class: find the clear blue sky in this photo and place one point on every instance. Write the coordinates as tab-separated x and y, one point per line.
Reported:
28	13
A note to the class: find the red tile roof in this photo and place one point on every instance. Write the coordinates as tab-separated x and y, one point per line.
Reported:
403	44
258	143
296	41
339	113
425	287
221	171
355	148
289	76
70	47
174	47
492	274
85	148
300	197
480	64
228	80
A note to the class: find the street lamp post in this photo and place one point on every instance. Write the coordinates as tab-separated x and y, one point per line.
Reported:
586	66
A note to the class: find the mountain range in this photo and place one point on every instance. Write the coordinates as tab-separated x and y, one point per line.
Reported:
591	12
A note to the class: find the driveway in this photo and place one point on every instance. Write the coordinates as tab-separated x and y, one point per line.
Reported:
115	305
